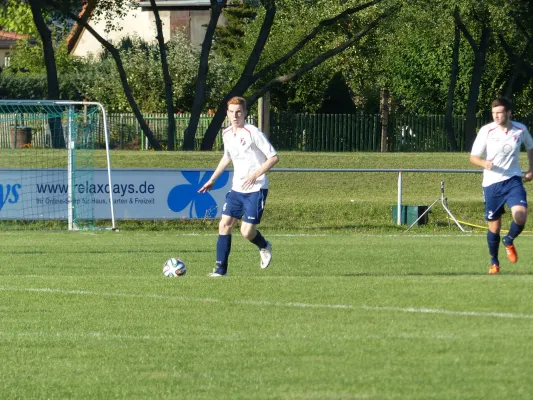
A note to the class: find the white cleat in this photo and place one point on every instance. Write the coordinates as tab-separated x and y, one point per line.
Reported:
266	255
217	273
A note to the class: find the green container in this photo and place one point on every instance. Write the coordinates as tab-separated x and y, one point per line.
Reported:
410	214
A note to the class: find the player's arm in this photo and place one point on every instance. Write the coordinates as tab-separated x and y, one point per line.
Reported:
528	143
222	165
481	162
250	180
528	176
478	148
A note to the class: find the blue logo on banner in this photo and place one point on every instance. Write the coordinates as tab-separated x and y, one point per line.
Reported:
204	204
9	193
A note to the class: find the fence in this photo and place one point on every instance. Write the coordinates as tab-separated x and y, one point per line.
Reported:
362	132
298	132
125	132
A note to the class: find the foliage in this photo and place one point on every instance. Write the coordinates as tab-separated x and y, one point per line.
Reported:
16	16
305	94
229	37
27	56
142	63
29	86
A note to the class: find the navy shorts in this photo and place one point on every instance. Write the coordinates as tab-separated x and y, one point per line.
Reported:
510	191
248	206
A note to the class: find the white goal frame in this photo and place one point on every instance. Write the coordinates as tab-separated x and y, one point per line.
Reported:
70	145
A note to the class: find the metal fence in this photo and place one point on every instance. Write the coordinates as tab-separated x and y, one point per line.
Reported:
307	132
362	132
125	132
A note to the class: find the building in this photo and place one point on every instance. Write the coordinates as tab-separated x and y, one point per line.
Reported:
190	16
7	41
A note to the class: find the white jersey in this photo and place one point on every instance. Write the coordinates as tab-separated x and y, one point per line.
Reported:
248	149
503	148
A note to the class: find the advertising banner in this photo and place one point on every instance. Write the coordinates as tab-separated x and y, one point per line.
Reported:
137	193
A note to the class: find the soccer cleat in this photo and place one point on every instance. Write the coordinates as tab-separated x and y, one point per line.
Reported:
494	269
218	272
266	255
511	253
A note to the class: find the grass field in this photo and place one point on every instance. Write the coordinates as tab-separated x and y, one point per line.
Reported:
341	316
352	307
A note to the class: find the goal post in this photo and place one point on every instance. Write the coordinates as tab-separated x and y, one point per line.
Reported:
49	150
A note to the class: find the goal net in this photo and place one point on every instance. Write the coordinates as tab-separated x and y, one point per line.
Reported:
48	153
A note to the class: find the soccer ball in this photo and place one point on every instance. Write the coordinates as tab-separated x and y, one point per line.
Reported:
174	267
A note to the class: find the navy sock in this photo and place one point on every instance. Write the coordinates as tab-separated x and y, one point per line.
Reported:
223	250
514	231
259	240
493	239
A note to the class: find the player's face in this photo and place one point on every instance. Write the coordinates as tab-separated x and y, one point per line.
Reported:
500	115
236	115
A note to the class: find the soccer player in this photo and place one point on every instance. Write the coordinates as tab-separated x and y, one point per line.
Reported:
499	142
252	156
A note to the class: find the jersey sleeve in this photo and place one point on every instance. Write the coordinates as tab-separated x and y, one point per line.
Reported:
263	144
479	147
528	140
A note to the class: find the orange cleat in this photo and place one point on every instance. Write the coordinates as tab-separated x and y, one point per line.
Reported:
511	253
494	269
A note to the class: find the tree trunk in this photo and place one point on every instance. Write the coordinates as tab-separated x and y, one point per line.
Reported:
201	78
56	128
448	118
384	118
245	79
122	73
166	79
475	83
519	67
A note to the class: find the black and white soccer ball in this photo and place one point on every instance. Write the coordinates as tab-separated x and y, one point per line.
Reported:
174	267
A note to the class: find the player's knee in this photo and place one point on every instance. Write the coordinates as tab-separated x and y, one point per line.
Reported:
248	231
520	215
224	227
520	218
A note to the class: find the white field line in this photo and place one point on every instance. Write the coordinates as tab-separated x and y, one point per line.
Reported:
261	303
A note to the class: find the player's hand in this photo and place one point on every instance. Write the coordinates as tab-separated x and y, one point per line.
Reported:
249	181
488	165
528	176
208	185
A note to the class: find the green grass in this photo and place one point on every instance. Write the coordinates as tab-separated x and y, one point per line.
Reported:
338	202
353	307
340	316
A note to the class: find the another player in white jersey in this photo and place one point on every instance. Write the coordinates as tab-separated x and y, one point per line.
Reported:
252	156
497	149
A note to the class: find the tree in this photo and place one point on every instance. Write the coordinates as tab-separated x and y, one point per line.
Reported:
166	78
249	77
480	53
454	70
15	15
111	8
201	80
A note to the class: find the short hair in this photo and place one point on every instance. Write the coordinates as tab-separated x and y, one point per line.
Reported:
237	100
502	101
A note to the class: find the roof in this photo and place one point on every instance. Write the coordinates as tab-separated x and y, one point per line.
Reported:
77	29
8	39
90	5
11	36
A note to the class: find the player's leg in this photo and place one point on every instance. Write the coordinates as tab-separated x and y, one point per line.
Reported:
231	212
254	207
493	241
494	208
517	202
